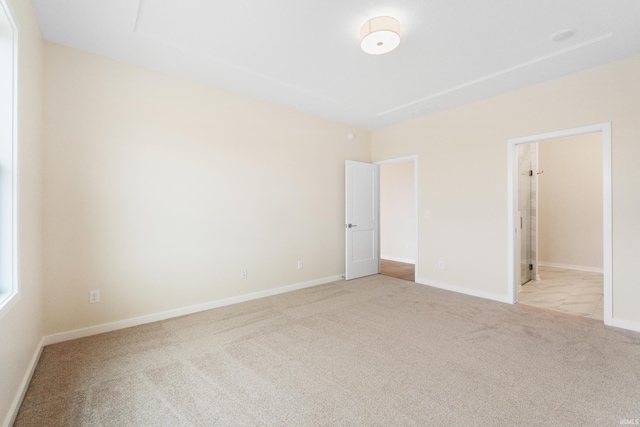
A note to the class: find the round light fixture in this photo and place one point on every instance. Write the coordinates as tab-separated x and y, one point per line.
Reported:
562	35
380	35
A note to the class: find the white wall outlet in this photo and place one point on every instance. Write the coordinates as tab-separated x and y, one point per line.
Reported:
94	297
299	265
243	273
440	264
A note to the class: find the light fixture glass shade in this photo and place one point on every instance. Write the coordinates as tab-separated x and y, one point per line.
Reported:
380	35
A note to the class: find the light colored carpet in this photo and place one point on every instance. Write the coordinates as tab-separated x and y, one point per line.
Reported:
376	351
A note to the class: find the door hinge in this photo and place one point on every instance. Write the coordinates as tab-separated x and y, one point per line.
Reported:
530	173
530	267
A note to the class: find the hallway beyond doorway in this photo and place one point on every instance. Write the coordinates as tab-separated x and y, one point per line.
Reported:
399	270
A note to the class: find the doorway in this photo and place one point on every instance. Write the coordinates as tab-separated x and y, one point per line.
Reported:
398	218
523	240
560	211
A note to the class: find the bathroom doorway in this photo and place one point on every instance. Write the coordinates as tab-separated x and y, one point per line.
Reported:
560	211
539	255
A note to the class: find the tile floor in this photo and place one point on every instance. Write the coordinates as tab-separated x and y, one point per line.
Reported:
569	291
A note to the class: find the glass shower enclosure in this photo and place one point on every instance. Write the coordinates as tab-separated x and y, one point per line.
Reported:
527	210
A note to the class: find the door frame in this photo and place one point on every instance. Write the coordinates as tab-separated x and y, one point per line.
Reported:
413	158
607	229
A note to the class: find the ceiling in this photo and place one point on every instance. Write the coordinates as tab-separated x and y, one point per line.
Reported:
306	55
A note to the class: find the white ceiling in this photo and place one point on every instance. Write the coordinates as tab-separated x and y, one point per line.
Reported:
306	55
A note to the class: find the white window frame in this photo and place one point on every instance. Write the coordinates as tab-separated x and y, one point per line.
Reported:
9	287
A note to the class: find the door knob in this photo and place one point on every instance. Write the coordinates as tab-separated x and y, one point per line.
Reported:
351	225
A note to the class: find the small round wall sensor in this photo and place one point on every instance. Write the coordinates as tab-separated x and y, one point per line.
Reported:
351	136
562	35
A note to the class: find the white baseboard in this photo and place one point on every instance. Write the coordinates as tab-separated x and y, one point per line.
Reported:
625	324
571	267
396	259
24	385
114	326
466	291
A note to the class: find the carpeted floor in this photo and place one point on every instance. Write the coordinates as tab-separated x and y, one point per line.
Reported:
376	351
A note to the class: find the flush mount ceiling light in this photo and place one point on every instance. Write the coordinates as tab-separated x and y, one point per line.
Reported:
380	35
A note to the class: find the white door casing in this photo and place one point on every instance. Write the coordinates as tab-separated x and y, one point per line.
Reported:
512	209
362	219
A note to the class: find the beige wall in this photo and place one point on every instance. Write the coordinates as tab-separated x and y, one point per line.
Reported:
21	327
463	175
158	191
397	211
570	201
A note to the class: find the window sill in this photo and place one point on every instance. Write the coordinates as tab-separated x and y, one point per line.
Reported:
7	301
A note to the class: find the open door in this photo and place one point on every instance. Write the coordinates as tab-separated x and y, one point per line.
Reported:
362	223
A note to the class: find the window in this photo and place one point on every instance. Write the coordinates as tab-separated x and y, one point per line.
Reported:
8	271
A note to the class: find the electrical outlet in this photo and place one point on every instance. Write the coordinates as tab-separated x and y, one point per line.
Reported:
440	264
94	297
299	265
243	273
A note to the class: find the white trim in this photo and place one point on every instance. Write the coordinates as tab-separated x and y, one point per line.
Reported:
396	259
10	300
512	209
624	324
24	385
607	222
414	159
114	326
571	267
465	291
398	160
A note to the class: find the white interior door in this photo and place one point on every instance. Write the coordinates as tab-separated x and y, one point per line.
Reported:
362	224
